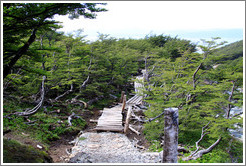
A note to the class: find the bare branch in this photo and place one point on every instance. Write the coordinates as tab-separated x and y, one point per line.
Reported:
194	75
67	92
88	77
36	108
196	154
229	99
202	152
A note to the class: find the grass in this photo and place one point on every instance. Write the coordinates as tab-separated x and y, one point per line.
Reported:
46	128
82	138
15	152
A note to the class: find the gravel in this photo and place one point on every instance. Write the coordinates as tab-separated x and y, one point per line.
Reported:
108	147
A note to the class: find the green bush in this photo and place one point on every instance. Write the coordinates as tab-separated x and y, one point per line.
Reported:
14	152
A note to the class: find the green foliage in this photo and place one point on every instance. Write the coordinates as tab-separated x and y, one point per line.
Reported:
49	127
201	93
23	19
82	138
14	152
225	152
198	84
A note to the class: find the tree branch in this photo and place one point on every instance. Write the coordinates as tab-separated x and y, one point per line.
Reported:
67	92
196	154
194	76
229	99
36	108
19	53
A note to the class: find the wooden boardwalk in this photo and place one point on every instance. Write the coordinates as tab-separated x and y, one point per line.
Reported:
111	119
135	100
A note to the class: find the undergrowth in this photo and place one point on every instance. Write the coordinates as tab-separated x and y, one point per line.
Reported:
45	127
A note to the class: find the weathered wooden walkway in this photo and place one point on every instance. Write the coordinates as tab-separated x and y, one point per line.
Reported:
112	119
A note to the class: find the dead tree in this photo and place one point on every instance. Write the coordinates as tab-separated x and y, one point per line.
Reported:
170	147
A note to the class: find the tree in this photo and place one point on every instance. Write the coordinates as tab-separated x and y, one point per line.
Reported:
22	21
191	84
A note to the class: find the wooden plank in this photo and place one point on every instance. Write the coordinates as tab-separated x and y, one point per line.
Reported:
128	119
110	127
93	120
116	116
106	121
110	123
116	130
112	112
111	116
111	119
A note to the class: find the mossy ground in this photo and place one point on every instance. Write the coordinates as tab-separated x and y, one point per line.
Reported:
15	152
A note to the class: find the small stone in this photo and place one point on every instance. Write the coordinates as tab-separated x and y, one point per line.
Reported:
40	147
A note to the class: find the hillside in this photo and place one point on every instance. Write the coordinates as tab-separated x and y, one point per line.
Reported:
230	52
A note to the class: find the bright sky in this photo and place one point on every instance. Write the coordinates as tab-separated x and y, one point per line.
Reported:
191	20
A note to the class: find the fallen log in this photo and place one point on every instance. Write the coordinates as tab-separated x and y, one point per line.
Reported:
133	130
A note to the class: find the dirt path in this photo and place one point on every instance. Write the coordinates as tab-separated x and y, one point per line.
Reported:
109	147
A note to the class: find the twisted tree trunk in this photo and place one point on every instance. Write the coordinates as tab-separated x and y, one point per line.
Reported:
36	108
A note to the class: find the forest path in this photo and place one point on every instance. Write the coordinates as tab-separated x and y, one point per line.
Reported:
109	147
111	119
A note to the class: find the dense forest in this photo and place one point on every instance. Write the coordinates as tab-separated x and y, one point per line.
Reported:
49	76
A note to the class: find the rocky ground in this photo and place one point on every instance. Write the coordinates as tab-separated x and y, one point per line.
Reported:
109	147
90	146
